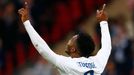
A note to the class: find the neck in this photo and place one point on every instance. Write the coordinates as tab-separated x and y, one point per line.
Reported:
75	55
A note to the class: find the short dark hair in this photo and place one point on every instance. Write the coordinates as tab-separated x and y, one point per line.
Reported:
85	44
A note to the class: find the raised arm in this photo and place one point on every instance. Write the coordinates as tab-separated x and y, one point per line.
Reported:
37	41
105	50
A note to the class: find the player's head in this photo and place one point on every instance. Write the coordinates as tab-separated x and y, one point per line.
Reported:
80	45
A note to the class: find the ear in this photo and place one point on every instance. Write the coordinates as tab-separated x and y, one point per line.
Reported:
73	49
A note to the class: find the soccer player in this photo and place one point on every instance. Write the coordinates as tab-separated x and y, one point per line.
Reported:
79	48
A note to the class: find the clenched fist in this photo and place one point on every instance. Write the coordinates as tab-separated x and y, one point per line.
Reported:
24	12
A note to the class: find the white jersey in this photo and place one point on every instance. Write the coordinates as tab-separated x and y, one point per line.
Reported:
93	65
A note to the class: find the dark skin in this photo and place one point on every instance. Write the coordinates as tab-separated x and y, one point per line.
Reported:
72	49
24	13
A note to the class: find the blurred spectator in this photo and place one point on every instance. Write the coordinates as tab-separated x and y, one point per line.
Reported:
41	67
110	68
10	25
131	4
132	73
122	52
1	53
1	11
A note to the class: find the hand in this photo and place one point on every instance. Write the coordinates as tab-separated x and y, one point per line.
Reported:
101	14
24	12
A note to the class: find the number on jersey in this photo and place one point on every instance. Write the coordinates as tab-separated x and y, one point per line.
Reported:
91	72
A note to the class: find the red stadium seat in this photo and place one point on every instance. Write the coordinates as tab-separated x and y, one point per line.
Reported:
9	64
56	33
89	6
62	13
75	9
20	53
32	52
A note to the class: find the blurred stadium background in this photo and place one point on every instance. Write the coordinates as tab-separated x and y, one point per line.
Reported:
56	21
